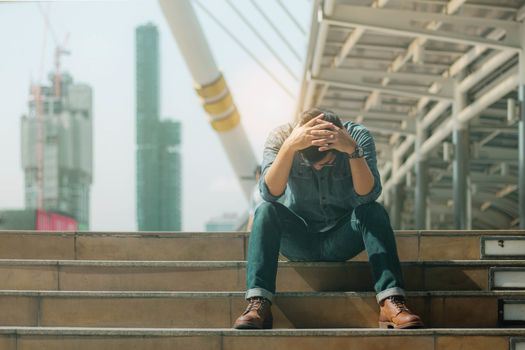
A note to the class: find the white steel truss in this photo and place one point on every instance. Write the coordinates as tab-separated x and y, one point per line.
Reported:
473	50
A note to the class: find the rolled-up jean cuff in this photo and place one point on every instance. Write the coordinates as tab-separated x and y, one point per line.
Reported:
259	292
389	292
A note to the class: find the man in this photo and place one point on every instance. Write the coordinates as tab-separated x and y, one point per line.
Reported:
320	182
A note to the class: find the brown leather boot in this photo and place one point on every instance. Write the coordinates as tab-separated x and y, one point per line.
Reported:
395	314
258	315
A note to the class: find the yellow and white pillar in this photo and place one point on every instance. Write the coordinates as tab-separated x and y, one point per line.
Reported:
210	85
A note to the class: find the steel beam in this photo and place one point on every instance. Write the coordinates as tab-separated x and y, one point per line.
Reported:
346	102
339	78
441	107
520	15
481	177
388	14
460	172
388	130
306	90
413	78
396	199
444	130
521	134
491	152
421	192
351	114
347	46
399	22
490	65
317	58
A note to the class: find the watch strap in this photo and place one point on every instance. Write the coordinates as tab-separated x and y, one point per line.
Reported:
358	153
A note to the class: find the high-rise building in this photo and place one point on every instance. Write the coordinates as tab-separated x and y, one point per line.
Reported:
158	154
147	103
57	144
170	175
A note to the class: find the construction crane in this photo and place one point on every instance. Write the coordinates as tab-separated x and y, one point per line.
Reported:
60	50
36	92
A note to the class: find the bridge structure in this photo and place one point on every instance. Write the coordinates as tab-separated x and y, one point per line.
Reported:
440	85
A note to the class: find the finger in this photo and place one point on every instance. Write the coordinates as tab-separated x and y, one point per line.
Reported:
322	142
323	126
314	120
322	121
319	142
328	125
325	133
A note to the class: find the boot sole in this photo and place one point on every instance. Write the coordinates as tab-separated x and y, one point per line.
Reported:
253	326
411	325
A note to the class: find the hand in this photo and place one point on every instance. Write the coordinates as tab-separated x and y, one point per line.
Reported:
301	136
330	137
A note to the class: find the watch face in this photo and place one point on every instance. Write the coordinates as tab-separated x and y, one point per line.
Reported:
360	152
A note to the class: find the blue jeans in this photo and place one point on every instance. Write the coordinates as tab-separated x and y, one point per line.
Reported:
277	229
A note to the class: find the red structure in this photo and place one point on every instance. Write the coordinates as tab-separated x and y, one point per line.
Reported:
46	221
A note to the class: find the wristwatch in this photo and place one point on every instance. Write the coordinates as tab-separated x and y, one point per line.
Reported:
358	153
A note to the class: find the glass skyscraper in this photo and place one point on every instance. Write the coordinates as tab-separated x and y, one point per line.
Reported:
158	153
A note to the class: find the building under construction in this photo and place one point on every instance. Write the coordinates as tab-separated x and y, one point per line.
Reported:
57	143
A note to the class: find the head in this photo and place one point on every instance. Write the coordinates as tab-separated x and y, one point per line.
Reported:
312	155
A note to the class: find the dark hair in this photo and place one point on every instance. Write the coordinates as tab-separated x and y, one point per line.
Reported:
312	153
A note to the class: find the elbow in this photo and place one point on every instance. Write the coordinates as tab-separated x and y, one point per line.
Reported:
365	191
273	193
371	195
267	194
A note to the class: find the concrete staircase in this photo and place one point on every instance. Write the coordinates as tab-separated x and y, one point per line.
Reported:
184	290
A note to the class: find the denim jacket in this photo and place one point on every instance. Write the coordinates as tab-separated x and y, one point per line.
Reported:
321	198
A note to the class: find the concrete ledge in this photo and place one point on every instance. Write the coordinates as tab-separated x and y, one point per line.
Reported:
216	246
338	332
150	294
185	234
129	275
219	309
224	339
218	264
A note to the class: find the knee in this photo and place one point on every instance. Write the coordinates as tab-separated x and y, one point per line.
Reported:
266	219
371	212
266	209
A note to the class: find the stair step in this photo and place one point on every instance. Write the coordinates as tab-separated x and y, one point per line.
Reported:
220	309
99	275
30	338
217	246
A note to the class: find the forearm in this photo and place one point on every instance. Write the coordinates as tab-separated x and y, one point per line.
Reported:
362	177
276	177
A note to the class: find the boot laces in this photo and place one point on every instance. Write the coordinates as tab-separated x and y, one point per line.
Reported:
257	303
399	303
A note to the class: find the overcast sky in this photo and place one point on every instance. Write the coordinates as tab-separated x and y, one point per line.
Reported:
101	41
